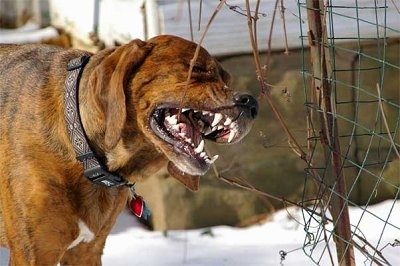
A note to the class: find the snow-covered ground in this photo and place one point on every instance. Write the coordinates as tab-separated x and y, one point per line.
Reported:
131	244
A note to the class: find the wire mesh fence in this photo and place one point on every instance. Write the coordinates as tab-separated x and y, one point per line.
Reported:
352	92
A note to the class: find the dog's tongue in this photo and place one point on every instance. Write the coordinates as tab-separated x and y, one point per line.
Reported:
190	181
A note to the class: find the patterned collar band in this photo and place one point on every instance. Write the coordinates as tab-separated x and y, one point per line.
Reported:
95	171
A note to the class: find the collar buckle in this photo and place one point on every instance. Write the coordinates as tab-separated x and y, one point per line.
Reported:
99	175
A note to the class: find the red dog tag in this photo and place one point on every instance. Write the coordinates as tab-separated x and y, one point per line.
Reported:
137	205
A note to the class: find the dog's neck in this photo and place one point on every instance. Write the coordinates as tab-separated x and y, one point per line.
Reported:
94	170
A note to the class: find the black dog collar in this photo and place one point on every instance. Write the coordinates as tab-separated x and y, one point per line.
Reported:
93	169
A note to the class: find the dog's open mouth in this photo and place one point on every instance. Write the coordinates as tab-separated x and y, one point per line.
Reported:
185	129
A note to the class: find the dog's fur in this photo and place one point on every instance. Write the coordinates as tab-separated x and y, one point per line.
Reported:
49	211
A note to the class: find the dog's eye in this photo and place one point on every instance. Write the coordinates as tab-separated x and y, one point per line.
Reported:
199	69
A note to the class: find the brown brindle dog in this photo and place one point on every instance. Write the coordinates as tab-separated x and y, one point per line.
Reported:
137	111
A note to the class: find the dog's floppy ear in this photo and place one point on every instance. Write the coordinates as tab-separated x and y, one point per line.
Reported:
109	80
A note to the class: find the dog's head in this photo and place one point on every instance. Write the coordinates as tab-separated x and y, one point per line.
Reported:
155	99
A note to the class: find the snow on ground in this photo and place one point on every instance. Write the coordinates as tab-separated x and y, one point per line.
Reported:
130	244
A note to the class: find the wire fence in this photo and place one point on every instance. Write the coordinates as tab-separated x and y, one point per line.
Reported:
353	125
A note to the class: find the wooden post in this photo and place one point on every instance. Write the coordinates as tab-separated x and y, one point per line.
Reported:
334	178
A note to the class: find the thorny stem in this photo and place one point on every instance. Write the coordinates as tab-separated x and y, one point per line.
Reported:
265	89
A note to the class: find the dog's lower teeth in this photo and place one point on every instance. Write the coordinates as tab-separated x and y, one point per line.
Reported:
200	148
212	160
231	135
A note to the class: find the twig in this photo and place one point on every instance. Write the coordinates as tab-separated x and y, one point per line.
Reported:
284	27
198	47
385	121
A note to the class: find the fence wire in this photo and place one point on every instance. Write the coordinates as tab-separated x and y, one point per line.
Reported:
360	44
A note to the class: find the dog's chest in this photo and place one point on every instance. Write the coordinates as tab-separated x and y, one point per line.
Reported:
85	235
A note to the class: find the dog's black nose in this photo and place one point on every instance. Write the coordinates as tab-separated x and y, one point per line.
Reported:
248	102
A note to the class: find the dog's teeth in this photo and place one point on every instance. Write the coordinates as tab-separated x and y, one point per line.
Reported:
228	121
176	127
233	125
217	118
182	135
214	158
220	127
173	120
231	135
188	140
205	112
208	131
200	148
185	109
203	154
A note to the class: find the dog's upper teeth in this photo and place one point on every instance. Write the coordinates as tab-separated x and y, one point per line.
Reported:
208	131
185	109
205	112
173	120
176	127
228	121
200	147
203	154
217	118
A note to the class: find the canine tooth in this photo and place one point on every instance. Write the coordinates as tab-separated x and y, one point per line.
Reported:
214	158
228	121
203	154
231	135
200	148
217	118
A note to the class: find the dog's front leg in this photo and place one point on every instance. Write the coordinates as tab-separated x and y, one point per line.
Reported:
88	254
